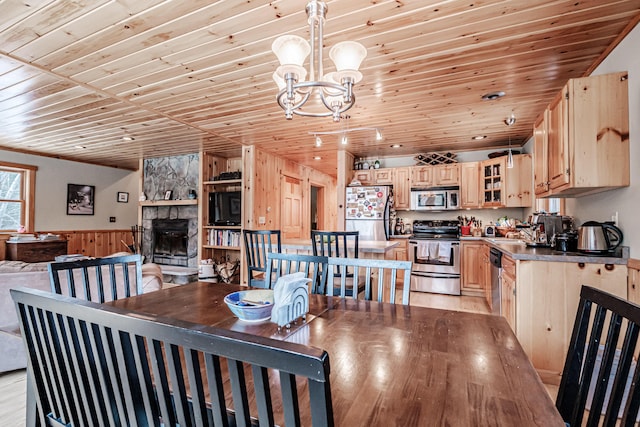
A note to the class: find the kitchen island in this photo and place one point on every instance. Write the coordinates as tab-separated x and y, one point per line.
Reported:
367	248
540	290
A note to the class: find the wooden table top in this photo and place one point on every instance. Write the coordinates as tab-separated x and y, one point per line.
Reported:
392	364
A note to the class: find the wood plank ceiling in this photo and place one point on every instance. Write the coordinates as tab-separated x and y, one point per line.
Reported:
181	76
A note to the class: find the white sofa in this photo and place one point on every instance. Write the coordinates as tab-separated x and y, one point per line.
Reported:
15	274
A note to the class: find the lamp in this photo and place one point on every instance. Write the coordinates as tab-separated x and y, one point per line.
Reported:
510	121
343	132
334	89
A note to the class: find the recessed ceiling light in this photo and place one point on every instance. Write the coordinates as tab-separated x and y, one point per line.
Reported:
80	147
317	158
395	145
493	95
128	138
479	137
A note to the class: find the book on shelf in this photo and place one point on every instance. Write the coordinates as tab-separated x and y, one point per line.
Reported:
224	238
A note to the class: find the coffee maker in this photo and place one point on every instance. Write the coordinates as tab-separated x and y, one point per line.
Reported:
545	226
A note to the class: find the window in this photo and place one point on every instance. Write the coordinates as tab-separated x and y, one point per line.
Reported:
17	188
551	205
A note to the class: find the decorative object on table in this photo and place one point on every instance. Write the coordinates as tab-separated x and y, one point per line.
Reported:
291	299
253	305
80	199
167	195
435	158
123	197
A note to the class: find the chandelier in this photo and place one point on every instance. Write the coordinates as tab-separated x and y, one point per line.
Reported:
334	89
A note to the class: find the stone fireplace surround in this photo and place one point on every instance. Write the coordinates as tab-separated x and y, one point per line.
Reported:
179	174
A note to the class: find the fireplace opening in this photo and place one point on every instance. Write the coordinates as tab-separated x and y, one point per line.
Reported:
170	241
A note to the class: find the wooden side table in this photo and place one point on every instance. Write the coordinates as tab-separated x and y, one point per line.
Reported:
36	251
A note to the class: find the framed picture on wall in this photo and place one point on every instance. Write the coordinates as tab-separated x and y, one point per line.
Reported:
80	199
123	197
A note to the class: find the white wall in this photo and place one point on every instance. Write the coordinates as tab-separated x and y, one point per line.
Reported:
625	201
52	178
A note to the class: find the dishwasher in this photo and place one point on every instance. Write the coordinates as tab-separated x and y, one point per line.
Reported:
495	259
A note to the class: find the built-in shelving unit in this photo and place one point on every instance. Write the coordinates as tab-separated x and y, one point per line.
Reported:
218	242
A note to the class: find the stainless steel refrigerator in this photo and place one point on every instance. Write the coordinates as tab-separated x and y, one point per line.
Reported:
367	211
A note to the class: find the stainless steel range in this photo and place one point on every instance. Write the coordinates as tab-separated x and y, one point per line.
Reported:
434	251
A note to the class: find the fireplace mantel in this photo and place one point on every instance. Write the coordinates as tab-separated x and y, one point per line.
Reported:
168	202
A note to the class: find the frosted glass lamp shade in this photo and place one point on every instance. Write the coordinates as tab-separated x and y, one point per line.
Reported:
291	50
347	56
279	80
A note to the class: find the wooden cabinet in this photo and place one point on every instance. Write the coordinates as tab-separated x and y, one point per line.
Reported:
364	176
447	174
36	251
472	268
402	188
587	138
400	253
492	177
633	281
470	185
436	176
485	271
383	176
540	153
502	187
508	291
547	295
518	184
422	176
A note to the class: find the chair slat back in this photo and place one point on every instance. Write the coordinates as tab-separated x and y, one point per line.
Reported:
98	279
258	243
314	267
340	244
600	373
385	273
96	365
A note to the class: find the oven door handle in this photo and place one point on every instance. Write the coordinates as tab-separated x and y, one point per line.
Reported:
436	275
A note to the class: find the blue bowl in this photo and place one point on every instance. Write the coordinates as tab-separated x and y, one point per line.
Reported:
251	306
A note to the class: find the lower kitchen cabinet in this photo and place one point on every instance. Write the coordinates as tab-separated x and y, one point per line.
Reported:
485	271
400	253
473	280
546	301
508	291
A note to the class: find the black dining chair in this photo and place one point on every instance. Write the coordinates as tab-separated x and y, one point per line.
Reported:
98	279
258	243
341	244
601	379
314	267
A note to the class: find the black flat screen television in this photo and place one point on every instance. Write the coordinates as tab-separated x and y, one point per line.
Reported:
225	208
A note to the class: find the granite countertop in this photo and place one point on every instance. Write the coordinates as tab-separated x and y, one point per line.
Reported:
364	246
520	251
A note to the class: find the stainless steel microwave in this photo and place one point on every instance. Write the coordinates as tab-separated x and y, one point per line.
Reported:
435	199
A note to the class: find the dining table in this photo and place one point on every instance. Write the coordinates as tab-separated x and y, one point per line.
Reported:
391	364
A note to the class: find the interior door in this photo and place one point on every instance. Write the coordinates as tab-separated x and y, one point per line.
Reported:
291	213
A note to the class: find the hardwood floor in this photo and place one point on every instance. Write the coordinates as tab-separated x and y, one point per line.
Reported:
12	398
13	384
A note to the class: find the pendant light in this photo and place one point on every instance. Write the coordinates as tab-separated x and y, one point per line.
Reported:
510	121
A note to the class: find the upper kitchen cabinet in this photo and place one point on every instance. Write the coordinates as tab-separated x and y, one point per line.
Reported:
581	141
435	176
470	185
365	177
402	188
503	187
